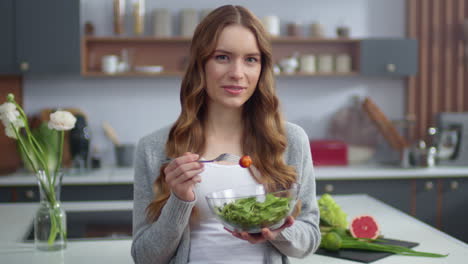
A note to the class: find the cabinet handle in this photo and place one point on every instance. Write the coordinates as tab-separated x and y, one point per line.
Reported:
24	66
391	67
454	185
429	186
29	194
329	188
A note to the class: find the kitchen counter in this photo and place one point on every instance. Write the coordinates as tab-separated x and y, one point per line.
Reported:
125	175
16	218
104	176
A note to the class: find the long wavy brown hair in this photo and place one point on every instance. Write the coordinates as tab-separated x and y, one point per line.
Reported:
264	136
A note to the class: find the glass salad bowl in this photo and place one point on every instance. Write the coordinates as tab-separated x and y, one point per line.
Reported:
253	207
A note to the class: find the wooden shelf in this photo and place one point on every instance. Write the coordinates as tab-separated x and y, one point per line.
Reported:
172	53
313	40
179	74
91	39
133	74
187	39
306	74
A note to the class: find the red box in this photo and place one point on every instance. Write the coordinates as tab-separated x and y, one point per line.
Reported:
329	152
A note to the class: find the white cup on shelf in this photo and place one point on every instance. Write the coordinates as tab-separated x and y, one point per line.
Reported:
110	64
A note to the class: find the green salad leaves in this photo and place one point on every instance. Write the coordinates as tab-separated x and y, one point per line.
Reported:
248	213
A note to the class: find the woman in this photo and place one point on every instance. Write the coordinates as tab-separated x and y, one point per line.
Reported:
229	105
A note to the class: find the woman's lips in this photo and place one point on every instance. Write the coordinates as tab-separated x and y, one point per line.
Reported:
233	89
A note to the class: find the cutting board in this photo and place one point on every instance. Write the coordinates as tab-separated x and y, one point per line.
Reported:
363	255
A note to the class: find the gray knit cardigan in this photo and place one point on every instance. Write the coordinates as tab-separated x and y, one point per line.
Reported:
167	240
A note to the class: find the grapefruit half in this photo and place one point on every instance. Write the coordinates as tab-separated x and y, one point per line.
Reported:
364	226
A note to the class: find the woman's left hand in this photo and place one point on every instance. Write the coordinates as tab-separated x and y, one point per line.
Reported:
265	235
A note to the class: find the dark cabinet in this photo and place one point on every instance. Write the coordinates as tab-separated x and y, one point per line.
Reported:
389	57
48	36
426	200
442	203
39	36
70	193
396	193
454	201
7	43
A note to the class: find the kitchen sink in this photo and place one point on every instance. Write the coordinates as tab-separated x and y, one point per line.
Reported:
95	225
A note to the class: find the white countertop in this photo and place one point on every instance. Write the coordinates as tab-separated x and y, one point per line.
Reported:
125	175
15	219
102	176
387	172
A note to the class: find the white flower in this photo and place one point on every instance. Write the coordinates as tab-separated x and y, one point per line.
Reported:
62	120
10	132
10	129
8	113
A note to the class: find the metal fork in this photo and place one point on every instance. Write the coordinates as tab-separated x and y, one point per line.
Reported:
221	157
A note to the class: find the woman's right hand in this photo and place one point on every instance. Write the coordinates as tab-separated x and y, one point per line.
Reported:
182	174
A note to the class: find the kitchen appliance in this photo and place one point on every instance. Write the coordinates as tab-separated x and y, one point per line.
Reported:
79	143
453	138
329	152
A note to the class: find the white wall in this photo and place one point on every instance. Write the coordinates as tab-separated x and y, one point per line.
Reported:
137	106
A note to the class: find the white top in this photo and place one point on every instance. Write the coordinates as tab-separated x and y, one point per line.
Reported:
209	241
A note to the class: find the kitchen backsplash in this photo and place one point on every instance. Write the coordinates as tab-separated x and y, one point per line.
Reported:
137	106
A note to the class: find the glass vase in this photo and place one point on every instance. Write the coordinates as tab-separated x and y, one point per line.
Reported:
50	221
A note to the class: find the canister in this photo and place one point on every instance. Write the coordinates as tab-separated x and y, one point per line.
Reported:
119	15
162	26
188	21
343	63
317	30
271	24
204	13
138	9
325	63
307	63
294	29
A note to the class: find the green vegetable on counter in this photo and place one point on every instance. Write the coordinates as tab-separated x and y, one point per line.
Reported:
333	241
330	212
247	213
336	235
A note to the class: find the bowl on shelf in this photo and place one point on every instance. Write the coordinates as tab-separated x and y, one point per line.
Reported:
253	207
149	68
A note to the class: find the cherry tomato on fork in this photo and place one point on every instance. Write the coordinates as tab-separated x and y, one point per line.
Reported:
245	161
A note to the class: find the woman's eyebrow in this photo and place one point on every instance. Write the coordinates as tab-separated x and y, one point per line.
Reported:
228	52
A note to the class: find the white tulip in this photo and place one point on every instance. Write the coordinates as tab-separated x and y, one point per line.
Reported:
11	127
62	120
10	132
8	113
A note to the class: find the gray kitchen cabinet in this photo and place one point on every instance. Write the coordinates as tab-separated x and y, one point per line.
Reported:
47	36
454	213
7	43
69	193
388	57
396	193
427	200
